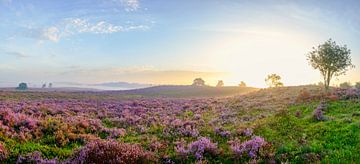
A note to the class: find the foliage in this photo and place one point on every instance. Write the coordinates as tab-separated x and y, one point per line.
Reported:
273	80
242	84
345	85
220	83
110	152
198	82
330	59
357	85
69	127
22	86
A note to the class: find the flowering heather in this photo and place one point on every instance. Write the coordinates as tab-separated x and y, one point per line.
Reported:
110	152
35	157
221	132
197	148
247	132
318	113
3	152
248	148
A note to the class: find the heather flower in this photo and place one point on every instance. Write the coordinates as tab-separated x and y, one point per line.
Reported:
111	152
222	132
248	148
318	113
35	157
197	148
3	153
247	132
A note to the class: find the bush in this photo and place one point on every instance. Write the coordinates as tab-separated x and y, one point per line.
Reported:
318	113
345	85
357	85
110	152
3	153
197	148
22	86
248	148
35	157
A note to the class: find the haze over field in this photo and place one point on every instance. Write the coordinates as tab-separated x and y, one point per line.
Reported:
171	42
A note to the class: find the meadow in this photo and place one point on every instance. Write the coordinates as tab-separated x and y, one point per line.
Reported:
301	124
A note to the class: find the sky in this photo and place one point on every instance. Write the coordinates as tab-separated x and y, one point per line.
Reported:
172	42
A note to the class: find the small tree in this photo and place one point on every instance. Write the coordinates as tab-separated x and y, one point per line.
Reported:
22	86
44	85
220	83
345	85
198	82
357	85
273	80
50	85
331	60
242	84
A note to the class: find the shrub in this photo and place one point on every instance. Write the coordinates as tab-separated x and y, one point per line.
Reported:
35	157
110	152
357	85
197	148
318	113
248	148
345	85
304	95
3	153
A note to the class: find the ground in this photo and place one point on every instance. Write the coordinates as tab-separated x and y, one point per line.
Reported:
300	124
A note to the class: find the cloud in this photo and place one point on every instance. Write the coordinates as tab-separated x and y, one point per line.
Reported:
16	54
77	25
74	26
129	5
51	33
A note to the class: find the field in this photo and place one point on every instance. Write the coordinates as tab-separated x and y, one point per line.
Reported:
300	124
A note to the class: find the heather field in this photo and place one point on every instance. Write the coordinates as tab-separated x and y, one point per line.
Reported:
287	124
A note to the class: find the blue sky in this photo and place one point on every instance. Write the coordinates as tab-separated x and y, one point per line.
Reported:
171	42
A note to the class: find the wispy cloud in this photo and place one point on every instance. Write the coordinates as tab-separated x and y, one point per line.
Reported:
73	26
129	5
16	54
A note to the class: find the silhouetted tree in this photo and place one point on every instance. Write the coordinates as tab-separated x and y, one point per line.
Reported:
22	86
44	85
220	83
198	82
273	80
357	85
345	85
50	85
242	84
331	60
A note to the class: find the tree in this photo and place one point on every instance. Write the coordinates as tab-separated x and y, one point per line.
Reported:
273	80
242	84
50	85
345	85
220	83
331	60
44	85
22	86
357	85
198	82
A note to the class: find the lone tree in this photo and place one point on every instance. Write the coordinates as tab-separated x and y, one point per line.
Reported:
273	80
22	86
220	83
198	82
331	60
242	84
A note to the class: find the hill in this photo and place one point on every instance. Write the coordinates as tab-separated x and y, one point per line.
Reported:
187	91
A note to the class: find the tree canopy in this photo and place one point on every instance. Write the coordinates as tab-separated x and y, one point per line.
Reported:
331	60
273	80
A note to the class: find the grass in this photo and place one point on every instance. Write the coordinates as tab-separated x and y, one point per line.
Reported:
303	140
